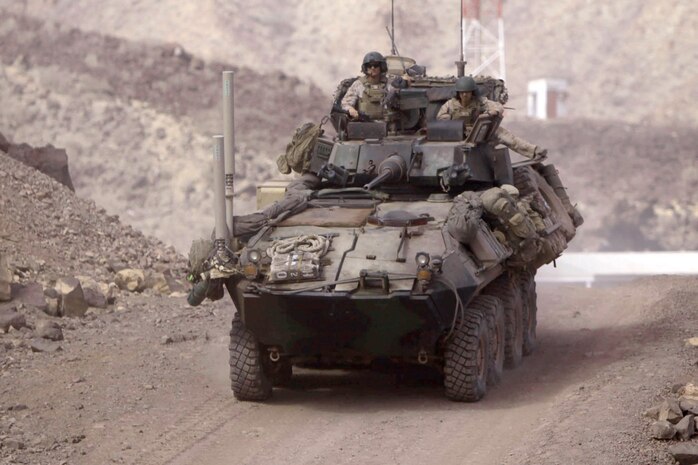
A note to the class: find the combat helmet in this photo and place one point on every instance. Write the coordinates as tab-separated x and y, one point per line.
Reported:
466	84
372	57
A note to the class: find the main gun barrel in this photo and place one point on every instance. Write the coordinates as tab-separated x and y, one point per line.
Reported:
392	169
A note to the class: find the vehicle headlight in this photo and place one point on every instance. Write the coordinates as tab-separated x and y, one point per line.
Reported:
254	256
422	259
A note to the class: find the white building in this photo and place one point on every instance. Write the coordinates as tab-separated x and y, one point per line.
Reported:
546	98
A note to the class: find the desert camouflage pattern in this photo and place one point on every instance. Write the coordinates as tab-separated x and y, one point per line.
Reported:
365	97
453	109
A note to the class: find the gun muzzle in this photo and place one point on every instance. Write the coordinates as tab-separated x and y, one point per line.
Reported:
392	169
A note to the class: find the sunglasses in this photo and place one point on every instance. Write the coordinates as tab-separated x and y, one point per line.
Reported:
373	65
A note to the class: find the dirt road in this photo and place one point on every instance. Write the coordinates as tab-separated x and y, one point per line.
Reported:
565	396
119	394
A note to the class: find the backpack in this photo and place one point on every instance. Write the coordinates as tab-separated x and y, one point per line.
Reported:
299	151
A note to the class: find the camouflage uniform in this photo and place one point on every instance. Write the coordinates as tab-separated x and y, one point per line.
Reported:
367	98
453	109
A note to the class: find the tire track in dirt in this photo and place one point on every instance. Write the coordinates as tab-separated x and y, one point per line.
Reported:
191	428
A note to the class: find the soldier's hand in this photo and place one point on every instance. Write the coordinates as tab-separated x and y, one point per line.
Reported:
353	113
493	113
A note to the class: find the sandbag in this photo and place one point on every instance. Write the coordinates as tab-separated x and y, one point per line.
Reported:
497	202
463	218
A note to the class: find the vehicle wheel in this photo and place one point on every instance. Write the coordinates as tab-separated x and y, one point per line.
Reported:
466	359
503	288
493	309
248	380
527	286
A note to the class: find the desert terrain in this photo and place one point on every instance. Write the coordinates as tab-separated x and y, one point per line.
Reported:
130	89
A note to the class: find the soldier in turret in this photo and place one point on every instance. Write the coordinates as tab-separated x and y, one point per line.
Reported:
468	104
367	93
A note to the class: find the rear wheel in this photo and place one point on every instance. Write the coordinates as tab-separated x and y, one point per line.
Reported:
503	288
493	309
247	376
466	359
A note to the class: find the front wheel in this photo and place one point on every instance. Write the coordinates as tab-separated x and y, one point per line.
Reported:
493	309
467	359
247	376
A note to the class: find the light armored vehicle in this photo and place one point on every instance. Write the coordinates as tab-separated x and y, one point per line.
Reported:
407	240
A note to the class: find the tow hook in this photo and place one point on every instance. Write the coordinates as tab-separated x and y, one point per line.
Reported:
422	357
274	355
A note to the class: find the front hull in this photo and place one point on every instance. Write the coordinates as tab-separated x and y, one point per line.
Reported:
351	327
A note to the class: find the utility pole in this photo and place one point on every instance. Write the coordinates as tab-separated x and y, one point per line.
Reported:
482	36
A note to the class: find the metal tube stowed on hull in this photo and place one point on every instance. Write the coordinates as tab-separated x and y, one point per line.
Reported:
221	231
229	142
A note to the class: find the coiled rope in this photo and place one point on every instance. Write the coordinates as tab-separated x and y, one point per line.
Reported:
310	243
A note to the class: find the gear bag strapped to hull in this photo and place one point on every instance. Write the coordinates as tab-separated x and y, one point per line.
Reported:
299	150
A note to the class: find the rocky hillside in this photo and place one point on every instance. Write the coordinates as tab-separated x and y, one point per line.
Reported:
136	120
626	60
48	233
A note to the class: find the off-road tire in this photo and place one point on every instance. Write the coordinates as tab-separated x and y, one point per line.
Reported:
503	288
247	376
466	359
527	288
493	308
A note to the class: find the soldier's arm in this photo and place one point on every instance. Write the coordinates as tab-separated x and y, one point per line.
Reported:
444	111
492	108
352	96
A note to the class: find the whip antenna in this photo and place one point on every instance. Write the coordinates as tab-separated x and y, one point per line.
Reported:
393	50
460	64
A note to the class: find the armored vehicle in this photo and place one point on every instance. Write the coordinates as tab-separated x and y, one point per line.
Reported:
407	240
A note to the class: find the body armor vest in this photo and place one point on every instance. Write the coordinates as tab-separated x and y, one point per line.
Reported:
371	100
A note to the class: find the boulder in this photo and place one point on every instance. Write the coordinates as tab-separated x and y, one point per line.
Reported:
158	283
684	454
692	342
95	298
689	405
52	309
110	291
30	294
71	300
662	430
690	390
130	279
49	329
49	160
43	345
4	143
670	411
12	319
5	279
686	427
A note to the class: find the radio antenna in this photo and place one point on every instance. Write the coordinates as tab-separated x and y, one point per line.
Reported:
393	50
460	64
